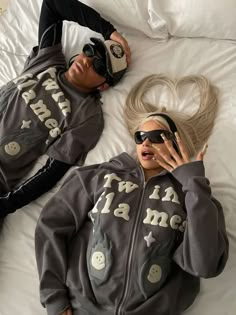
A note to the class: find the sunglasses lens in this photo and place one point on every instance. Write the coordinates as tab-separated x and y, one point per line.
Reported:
88	50
98	62
153	136
138	137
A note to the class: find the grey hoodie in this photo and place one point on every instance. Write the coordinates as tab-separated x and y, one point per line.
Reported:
109	243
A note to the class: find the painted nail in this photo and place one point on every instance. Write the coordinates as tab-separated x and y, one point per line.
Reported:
204	148
177	135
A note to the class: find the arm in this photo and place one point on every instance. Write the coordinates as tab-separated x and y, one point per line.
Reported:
60	219
54	12
204	250
34	187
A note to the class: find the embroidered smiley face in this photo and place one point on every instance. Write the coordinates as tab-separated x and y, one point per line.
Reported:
154	274
98	260
12	148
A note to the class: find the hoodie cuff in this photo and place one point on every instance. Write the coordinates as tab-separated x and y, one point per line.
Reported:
58	306
187	171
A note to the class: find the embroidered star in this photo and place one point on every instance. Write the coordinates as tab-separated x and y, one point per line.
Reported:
25	124
149	239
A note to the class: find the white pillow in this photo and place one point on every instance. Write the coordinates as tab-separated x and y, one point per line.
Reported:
130	16
196	18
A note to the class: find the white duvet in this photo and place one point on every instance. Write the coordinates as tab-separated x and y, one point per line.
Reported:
162	40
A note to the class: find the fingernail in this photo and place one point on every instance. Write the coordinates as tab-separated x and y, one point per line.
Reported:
176	135
163	136
204	148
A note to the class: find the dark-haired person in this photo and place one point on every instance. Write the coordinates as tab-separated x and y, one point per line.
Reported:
52	109
134	236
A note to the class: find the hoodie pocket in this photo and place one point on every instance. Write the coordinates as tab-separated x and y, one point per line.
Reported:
18	144
99	257
153	275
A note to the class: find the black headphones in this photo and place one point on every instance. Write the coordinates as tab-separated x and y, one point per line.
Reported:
172	125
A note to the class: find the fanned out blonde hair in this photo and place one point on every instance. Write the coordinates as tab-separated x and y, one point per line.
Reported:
193	130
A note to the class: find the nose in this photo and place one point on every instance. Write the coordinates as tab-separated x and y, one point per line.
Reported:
147	143
87	61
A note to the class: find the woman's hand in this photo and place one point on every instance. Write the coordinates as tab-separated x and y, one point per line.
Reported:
116	36
67	312
172	159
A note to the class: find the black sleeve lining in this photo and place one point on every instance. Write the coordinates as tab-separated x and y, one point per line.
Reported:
34	187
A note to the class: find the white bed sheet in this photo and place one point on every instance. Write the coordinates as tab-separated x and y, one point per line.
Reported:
176	57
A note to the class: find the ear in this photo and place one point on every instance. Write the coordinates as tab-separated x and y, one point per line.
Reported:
103	87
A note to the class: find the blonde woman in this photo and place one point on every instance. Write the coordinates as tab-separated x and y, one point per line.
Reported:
135	236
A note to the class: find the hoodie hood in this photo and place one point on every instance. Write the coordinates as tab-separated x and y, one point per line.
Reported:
122	162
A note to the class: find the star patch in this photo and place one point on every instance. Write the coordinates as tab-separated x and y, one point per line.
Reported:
25	124
149	239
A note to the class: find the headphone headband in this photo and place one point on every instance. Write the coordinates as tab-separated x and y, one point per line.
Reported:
171	123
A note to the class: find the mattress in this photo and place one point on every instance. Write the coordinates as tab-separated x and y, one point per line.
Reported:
162	40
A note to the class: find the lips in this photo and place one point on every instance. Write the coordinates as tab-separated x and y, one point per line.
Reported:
147	155
79	67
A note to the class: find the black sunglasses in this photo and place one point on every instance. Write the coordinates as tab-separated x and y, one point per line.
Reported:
99	64
154	136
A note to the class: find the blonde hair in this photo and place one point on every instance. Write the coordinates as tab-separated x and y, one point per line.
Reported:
194	130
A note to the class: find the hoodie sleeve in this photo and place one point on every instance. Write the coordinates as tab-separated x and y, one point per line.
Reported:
33	187
54	12
60	219
204	249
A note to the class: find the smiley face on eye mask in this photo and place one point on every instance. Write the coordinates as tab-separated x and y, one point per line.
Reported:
12	148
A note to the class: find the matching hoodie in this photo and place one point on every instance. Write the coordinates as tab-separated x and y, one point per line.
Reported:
110	243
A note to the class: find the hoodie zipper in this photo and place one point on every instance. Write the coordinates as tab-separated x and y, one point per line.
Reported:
131	249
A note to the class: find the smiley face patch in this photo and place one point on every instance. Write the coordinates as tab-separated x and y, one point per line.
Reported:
153	274
99	257
12	148
98	260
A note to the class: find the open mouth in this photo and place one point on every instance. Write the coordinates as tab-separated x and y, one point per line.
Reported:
147	155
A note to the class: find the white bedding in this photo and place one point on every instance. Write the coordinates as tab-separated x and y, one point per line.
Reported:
153	51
